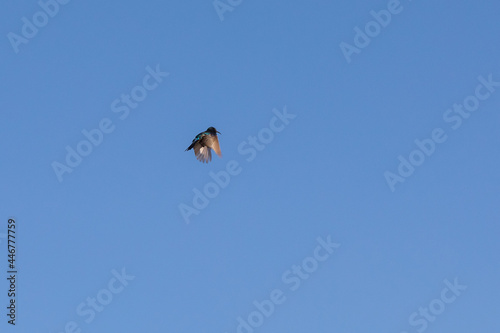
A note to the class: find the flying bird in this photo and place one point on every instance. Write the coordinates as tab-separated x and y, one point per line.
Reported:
203	143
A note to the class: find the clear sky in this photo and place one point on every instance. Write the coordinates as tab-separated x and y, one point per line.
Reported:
358	189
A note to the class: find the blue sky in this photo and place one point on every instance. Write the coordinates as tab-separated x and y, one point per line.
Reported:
357	191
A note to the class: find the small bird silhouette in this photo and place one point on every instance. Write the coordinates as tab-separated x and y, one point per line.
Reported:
202	144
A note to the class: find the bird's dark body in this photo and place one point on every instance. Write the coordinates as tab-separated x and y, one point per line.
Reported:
198	138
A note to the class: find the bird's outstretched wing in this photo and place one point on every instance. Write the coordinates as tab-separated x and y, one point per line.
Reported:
202	153
212	142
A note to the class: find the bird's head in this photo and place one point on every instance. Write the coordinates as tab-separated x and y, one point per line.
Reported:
212	130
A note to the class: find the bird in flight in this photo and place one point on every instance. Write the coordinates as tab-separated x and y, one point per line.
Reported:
203	143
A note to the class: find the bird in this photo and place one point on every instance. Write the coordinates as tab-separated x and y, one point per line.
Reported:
203	143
